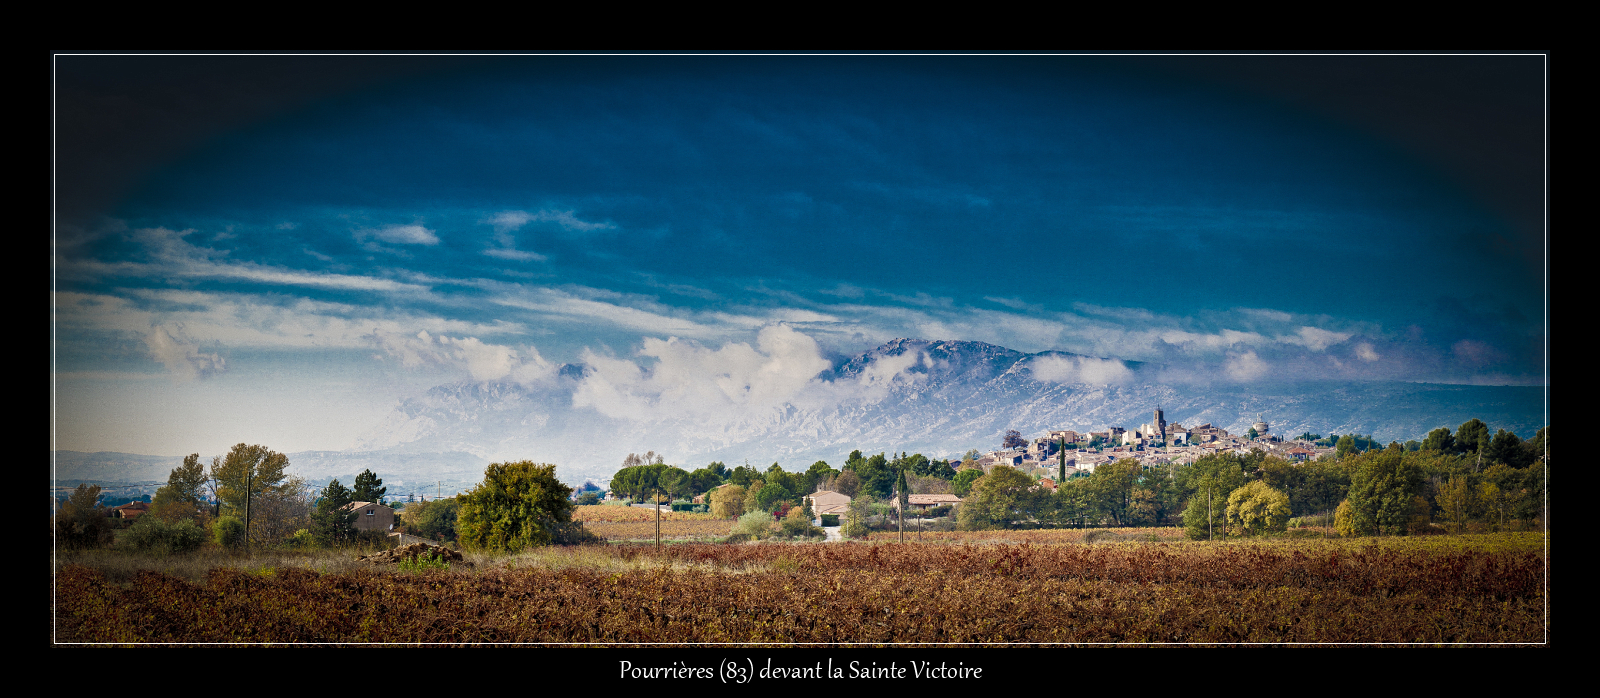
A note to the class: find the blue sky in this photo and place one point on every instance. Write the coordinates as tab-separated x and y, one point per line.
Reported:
297	270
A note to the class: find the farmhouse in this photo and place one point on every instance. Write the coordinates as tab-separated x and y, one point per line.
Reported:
371	516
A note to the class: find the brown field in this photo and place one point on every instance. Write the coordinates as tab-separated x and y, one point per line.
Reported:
1048	536
618	514
640	530
1467	589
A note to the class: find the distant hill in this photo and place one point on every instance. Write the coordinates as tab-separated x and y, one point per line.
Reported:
934	397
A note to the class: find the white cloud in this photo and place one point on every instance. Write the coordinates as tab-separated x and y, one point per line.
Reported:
400	234
507	221
690	380
1079	369
1245	367
1316	339
1012	303
1365	352
485	362
172	347
514	255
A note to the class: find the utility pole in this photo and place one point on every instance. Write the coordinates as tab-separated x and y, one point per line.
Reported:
249	483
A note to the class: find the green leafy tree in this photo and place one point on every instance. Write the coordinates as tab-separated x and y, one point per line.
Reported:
820	471
1205	514
518	505
183	497
855	519
744	475
81	522
256	476
1471	435
1257	508
331	523
771	495
435	519
1111	490
1000	499
1440	440
368	488
1382	488
964	479
1506	447
877	478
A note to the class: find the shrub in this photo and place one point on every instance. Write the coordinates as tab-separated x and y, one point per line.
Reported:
303	538
756	524
796	525
423	563
830	519
227	532
151	534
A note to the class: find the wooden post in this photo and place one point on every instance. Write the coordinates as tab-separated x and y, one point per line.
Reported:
658	518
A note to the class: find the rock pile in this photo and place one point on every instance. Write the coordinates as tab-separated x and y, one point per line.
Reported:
394	556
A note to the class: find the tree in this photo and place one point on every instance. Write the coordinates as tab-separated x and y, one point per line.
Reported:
435	519
518	505
1381	491
252	484
1257	508
727	501
771	495
1110	489
1001	499
183	497
81	522
964	479
855	519
1457	499
820	471
1013	439
331	523
1440	440
1472	435
368	488
877	478
1506	448
848	483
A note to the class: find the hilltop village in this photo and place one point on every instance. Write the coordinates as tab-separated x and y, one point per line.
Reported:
1155	444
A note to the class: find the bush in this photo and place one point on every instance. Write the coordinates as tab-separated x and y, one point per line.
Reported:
796	525
756	524
227	532
303	538
423	563
830	519
150	534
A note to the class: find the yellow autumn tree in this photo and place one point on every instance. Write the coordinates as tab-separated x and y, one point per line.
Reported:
1257	508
